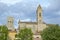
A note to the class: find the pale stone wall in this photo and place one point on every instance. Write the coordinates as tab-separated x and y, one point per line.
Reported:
22	25
41	27
38	26
25	25
32	26
44	26
10	23
12	35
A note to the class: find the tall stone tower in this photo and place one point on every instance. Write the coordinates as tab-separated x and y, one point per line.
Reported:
10	23
39	17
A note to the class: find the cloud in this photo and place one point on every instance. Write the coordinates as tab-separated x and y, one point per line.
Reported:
9	2
26	10
18	10
52	12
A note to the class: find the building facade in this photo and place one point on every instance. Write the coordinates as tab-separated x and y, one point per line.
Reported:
36	27
10	23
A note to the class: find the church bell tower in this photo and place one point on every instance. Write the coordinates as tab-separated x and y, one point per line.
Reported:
10	23
39	14
39	17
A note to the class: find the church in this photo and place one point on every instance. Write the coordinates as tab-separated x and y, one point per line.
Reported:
36	27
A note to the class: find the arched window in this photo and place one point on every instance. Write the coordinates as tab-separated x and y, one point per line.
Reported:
40	14
9	21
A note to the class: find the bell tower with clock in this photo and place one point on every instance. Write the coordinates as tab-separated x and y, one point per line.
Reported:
39	17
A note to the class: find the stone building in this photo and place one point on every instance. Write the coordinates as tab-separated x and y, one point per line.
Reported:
10	23
36	27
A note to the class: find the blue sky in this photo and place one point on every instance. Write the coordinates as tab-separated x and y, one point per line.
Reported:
25	10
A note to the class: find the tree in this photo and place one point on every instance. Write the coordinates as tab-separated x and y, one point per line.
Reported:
3	32
25	34
51	33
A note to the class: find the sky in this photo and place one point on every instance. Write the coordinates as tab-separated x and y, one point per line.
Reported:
25	10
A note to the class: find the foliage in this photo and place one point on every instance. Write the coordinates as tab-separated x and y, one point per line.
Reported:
51	33
3	32
25	34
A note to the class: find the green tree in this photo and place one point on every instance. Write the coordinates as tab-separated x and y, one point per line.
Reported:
3	32
25	34
51	33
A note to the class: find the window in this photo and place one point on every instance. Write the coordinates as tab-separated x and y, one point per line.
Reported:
40	14
9	21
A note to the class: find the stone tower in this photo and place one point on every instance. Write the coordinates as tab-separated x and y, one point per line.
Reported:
10	23
39	17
